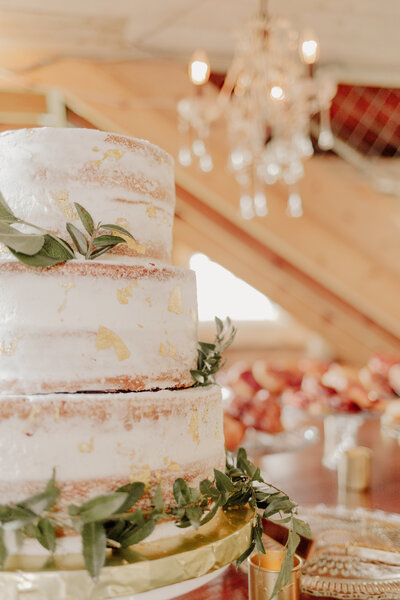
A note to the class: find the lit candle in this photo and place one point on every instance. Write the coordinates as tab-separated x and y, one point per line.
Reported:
354	469
199	68
264	572
272	560
309	47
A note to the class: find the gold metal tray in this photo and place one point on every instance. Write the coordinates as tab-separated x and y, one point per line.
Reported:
141	568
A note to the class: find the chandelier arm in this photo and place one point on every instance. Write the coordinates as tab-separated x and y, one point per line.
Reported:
230	81
264	9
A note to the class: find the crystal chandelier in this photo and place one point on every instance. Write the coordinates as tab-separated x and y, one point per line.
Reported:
268	98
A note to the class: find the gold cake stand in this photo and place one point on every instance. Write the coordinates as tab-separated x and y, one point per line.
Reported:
139	569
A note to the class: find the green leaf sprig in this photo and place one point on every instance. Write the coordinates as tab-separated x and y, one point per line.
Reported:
44	249
270	503
209	356
29	519
113	520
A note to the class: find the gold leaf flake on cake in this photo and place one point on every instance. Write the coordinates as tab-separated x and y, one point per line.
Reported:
61	198
68	286
175	303
34	413
57	414
167	219
194	427
140	325
133	244
123	450
123	223
106	338
114	153
123	294
148	300
130	242
162	351
86	447
174	467
171	350
140	473
171	465
204	417
151	211
10	348
217	433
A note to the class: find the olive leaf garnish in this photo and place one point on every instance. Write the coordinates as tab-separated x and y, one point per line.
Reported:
115	521
45	249
209	356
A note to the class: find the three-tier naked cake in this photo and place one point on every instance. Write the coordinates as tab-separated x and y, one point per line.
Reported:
95	355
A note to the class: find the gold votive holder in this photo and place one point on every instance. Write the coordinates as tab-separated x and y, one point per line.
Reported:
264	571
354	471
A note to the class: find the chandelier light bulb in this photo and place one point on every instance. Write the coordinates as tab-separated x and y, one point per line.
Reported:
277	92
309	48
199	68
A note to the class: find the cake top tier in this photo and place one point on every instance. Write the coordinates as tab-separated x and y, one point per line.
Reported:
118	179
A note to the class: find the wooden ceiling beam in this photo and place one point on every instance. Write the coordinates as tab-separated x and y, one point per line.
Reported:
23	101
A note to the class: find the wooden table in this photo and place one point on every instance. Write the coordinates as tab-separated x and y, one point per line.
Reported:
303	477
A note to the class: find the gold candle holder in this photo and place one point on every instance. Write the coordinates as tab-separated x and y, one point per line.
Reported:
264	571
354	472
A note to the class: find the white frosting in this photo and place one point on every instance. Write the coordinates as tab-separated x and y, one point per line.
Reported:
31	547
90	326
119	323
44	171
73	544
97	442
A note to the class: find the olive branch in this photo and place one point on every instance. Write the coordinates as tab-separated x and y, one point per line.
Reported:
114	521
45	249
209	356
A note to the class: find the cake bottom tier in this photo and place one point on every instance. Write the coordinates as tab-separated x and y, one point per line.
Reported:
97	442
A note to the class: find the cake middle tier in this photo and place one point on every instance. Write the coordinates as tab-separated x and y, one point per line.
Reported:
83	326
99	442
